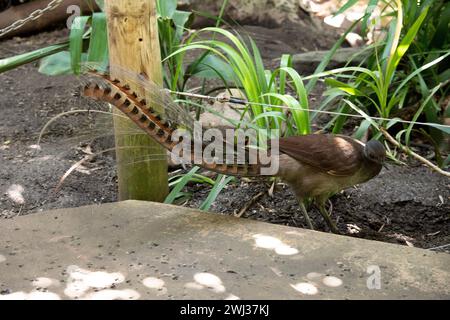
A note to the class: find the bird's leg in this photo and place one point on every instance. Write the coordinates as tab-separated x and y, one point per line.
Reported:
326	216
305	214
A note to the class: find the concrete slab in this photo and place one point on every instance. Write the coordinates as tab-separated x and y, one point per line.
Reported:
145	250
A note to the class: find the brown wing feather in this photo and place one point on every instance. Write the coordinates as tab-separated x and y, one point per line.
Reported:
335	154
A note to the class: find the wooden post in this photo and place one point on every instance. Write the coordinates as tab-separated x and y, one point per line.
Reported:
134	46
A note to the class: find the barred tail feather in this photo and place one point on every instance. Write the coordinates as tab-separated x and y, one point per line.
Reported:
157	126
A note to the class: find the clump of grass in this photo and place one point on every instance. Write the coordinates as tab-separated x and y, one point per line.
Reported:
405	69
265	90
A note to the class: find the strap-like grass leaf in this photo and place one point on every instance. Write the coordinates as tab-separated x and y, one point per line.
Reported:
221	182
98	45
76	42
180	185
16	61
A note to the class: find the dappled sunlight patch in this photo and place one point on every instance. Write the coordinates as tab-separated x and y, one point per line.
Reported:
285	250
14	296
37	295
331	281
334	20
218	289
44	283
15	193
194	286
81	281
232	297
96	279
112	294
2	258
305	288
76	289
207	280
266	242
33	295
272	243
153	283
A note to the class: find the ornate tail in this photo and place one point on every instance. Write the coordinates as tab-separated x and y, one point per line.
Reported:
158	128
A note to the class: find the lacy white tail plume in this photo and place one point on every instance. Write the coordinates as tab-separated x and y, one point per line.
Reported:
242	158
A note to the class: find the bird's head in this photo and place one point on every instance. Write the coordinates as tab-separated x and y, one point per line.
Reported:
374	151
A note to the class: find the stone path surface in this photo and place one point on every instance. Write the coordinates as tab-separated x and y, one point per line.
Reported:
142	250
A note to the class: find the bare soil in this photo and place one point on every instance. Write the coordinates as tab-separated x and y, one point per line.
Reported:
409	205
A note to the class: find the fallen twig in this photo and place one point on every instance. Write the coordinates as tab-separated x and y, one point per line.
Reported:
408	151
440	247
248	205
68	172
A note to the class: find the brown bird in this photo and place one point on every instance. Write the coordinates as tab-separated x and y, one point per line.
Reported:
315	166
319	165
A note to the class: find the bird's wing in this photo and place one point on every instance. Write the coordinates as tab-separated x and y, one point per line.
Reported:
335	154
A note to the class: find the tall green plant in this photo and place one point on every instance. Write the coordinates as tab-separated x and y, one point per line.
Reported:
413	61
265	90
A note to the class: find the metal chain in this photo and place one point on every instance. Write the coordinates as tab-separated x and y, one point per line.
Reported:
33	16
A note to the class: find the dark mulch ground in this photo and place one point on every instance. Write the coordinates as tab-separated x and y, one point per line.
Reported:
402	205
407	205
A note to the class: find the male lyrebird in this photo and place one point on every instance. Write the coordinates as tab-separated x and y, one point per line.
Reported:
315	165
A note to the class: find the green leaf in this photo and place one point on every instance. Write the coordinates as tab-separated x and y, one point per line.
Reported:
340	120
286	61
180	185
347	88
57	64
346	6
300	115
363	127
221	182
404	45
444	76
98	45
76	42
389	42
418	71
441	34
16	61
97	52
166	8
101	4
419	112
369	10
274	114
182	20
361	112
212	67
441	127
259	66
